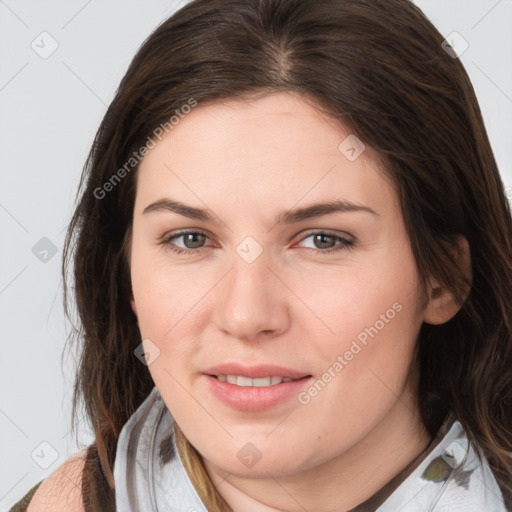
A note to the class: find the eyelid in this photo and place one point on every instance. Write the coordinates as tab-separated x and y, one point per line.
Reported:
185	231
341	234
182	232
301	236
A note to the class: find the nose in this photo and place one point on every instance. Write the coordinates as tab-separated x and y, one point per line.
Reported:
251	301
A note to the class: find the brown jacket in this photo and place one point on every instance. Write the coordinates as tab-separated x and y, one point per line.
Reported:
96	494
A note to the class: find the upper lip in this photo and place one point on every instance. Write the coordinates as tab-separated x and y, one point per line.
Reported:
254	372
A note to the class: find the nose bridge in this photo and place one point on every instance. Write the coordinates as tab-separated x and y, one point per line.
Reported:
248	279
249	298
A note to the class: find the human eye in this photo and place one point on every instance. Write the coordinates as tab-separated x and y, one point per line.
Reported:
190	237
325	237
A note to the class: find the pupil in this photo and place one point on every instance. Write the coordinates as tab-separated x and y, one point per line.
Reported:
191	236
321	239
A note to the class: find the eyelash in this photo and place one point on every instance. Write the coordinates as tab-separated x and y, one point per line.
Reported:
345	244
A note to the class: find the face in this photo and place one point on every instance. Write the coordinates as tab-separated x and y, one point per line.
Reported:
335	297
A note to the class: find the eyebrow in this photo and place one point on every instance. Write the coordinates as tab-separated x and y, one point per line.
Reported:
286	217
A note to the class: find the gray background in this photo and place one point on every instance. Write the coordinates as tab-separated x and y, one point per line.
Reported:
50	109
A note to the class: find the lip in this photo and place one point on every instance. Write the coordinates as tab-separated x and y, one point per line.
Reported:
254	372
255	399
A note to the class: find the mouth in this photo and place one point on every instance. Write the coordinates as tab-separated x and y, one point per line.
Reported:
260	382
239	374
257	394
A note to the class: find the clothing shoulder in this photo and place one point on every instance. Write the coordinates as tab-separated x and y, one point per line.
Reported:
21	505
60	491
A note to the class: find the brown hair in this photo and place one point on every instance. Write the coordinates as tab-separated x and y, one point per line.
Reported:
379	67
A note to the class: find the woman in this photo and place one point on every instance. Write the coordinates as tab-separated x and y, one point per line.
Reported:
340	336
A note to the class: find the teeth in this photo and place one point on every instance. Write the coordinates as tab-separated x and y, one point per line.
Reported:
239	380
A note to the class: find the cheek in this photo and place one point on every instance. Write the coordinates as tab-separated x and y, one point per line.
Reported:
355	300
170	300
365	329
163	293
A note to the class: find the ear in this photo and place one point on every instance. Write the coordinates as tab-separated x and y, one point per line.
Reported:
442	305
132	302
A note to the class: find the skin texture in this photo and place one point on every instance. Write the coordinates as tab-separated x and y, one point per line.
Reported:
61	490
245	162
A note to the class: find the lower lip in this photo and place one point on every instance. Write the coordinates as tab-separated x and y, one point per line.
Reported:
254	399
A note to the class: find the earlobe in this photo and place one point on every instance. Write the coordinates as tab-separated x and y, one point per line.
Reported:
442	305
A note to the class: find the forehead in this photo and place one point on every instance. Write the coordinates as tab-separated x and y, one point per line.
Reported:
278	149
